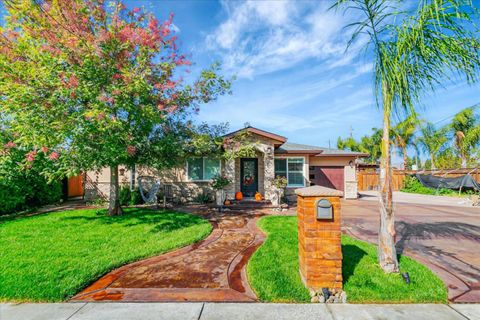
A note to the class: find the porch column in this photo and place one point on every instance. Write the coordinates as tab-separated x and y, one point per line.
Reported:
229	172
269	173
350	176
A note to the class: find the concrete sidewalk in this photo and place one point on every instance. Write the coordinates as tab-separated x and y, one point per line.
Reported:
234	311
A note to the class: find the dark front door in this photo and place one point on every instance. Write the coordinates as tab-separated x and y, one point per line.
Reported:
249	176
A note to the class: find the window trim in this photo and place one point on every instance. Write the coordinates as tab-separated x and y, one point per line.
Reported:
203	169
303	171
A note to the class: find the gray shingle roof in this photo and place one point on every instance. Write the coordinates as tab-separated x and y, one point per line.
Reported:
289	147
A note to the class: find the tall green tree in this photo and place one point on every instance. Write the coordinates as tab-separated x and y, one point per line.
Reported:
403	135
96	84
412	53
431	141
369	144
465	127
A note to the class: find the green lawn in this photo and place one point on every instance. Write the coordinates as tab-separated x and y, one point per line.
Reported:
51	257
273	271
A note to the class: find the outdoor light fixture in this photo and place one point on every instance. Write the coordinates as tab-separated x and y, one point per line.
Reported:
122	171
406	277
351	163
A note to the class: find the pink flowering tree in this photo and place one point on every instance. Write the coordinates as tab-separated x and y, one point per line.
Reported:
91	84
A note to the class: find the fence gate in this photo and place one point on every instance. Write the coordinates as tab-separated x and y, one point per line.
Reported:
75	186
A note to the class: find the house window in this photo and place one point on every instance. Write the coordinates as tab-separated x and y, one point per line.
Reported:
292	168
202	169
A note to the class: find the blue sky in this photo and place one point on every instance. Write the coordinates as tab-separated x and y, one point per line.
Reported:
293	75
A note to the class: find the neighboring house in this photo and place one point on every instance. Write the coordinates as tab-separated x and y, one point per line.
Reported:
302	165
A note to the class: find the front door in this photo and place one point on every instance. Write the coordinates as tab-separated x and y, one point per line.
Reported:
249	176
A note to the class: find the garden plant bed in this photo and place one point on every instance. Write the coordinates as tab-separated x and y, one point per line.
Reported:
50	257
273	271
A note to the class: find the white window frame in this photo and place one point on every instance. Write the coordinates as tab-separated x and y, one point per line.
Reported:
303	171
203	173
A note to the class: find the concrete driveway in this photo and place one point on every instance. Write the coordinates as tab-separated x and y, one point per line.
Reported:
446	238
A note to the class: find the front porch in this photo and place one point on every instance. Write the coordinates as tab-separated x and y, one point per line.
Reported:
251	175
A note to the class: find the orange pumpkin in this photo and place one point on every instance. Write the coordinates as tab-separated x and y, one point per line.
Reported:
258	197
239	196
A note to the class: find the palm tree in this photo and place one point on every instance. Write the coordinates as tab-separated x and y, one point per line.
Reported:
411	56
431	141
403	134
465	127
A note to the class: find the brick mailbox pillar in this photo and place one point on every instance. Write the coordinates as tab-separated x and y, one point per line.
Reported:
320	250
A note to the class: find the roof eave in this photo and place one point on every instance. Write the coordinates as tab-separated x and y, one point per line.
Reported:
311	152
362	155
273	136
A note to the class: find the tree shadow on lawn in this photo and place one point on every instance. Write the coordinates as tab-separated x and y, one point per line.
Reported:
163	221
352	255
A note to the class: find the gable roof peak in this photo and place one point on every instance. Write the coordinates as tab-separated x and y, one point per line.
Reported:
259	132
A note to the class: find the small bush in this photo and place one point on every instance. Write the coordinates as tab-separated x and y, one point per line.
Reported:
129	197
412	185
203	198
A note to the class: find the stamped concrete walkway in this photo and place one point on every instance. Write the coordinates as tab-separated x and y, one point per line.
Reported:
211	270
445	238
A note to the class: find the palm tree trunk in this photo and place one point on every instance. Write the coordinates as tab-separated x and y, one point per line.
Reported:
464	160
114	208
405	158
387	254
432	158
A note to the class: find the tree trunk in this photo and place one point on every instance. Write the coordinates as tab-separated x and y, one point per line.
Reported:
432	158
387	254
114	208
132	177
464	161
405	158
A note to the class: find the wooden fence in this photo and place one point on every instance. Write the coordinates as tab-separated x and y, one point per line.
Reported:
368	180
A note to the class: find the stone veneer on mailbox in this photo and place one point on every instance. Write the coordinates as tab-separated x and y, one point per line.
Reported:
319	241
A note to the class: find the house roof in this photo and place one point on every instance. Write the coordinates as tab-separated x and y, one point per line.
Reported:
289	147
285	147
260	132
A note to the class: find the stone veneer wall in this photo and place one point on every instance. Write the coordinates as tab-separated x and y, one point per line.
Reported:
266	174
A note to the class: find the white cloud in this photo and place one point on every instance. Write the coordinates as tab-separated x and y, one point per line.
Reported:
175	28
259	37
291	105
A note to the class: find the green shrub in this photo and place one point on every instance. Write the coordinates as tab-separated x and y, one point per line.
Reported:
24	185
412	185
27	192
11	198
129	197
203	198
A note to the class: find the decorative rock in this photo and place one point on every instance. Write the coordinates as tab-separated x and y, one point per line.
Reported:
331	299
343	297
314	299
313	293
321	299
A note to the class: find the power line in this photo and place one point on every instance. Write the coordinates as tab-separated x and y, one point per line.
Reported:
475	106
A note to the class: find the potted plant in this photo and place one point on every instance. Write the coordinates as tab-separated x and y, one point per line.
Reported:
218	184
280	183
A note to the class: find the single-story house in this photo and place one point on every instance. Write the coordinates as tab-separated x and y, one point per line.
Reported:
302	165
